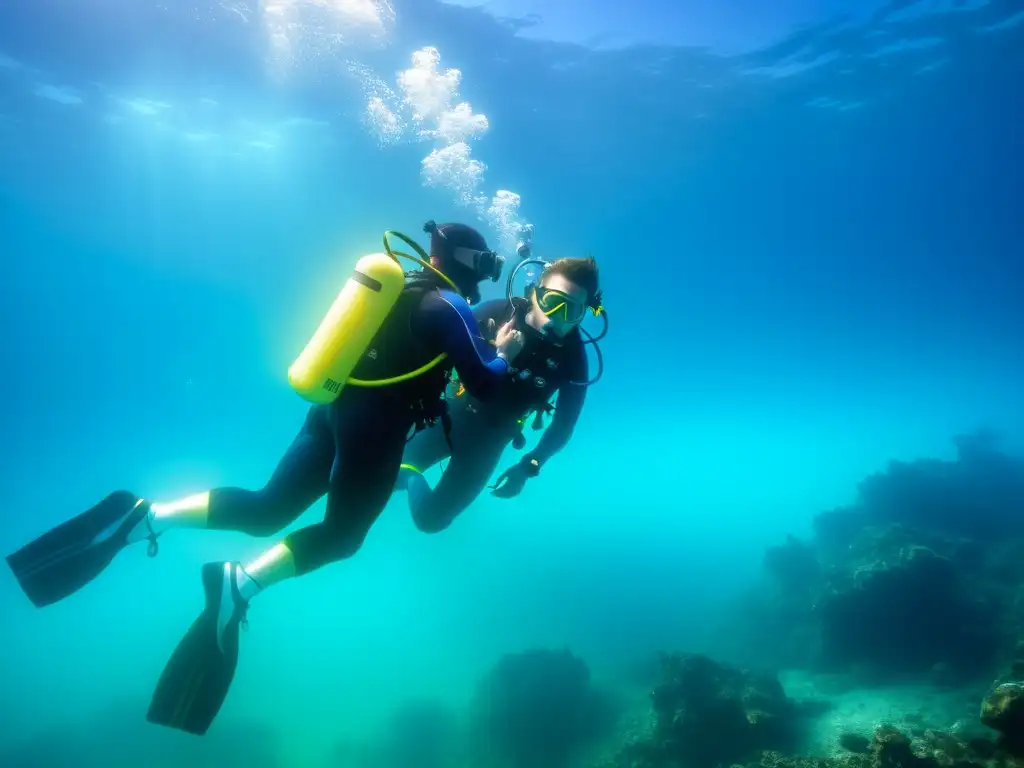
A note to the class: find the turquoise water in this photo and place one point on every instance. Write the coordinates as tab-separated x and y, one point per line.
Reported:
810	239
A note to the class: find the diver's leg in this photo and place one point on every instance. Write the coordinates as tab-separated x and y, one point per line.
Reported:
369	457
427	448
472	463
66	558
369	447
300	478
196	680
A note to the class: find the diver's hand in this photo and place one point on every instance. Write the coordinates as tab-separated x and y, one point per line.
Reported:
509	341
512	481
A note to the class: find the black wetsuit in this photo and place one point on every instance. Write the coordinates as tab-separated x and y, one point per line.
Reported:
351	450
481	430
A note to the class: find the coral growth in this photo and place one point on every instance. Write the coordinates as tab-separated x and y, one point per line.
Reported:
899	613
922	577
708	714
537	709
920	584
1003	711
979	496
891	748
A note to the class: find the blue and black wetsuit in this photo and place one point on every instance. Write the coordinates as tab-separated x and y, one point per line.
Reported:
351	450
482	429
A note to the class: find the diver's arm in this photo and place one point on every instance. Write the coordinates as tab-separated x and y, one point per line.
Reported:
571	397
570	404
490	316
445	321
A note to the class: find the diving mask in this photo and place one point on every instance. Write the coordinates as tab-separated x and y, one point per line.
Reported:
560	306
485	264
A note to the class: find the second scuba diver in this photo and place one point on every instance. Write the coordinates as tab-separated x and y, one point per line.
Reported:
553	361
349	450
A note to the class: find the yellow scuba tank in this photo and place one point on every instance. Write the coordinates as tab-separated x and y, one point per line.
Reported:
368	296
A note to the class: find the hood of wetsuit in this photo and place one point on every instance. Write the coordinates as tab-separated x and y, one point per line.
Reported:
463	255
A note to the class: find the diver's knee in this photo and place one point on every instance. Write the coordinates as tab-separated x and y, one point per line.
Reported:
431	523
344	547
426	513
345	540
430	517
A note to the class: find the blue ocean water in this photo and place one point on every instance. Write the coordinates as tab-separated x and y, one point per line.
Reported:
808	221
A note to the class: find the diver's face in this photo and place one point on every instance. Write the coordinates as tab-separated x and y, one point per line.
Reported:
559	305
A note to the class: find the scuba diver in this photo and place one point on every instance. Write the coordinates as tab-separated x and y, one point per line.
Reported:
553	361
393	339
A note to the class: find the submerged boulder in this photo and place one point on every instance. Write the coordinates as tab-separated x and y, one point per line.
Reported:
710	714
906	614
1003	711
919	578
890	748
536	709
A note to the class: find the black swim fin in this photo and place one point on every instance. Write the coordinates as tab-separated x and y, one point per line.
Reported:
65	559
196	680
